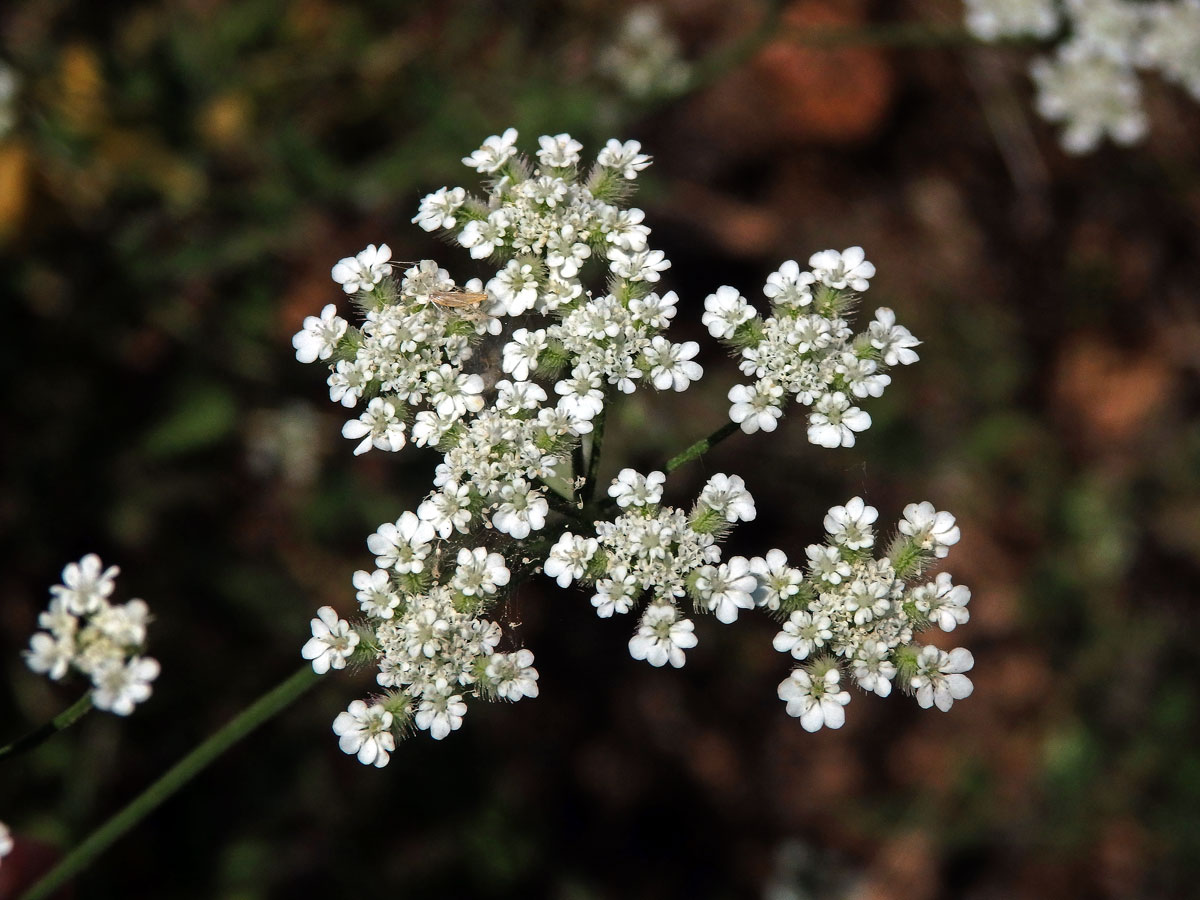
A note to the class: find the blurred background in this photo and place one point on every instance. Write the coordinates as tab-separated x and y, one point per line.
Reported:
177	181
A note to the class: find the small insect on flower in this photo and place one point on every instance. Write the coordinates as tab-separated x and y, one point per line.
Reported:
457	299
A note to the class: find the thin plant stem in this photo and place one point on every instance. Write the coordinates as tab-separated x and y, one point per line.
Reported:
593	466
38	736
265	707
702	446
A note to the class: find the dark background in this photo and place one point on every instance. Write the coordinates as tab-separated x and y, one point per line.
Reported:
181	179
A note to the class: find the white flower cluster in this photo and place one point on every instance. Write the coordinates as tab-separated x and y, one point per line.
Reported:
645	59
663	551
806	348
1090	84
854	615
428	637
104	641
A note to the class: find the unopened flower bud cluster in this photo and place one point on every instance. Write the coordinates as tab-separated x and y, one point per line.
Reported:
852	617
1090	83
805	348
85	632
666	553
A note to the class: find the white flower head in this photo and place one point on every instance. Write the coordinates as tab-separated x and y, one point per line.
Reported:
625	157
848	269
724	311
850	525
803	633
438	209
559	151
777	581
513	675
495	152
319	337
366	732
726	588
479	572
332	641
872	669
86	585
662	636
940	680
569	558
631	488
934	531
402	545
816	702
441	710
119	685
756	408
379	426
375	594
790	286
834	422
727	495
364	270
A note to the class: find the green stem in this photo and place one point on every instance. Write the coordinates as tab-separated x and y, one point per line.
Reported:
702	446
593	467
262	709
63	720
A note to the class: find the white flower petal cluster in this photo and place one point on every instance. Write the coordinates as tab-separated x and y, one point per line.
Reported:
1089	83
433	646
852	614
83	630
645	59
665	552
807	349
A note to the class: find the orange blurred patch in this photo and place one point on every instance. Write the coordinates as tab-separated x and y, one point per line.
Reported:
14	187
1108	394
828	94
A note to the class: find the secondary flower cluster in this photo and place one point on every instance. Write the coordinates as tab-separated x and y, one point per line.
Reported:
84	631
425	627
663	551
854	615
645	59
806	348
1090	83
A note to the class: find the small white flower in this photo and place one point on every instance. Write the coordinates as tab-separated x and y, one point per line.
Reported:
939	680
522	352
894	342
86	585
119	685
375	595
319	337
481	237
848	269
872	669
726	588
559	151
521	510
777	581
802	633
850	525
790	286
756	408
581	394
992	19
662	637
441	710
437	209
6	841
944	602
447	510
479	572
49	655
615	593
727	495
816	703
365	731
495	152
123	624
378	426
332	641
671	364
515	288
931	529
626	157
833	421
513	675
630	488
826	563
637	265
1093	95
569	558
363	271
724	311
402	545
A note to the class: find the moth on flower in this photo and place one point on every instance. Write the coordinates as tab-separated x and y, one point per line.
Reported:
457	298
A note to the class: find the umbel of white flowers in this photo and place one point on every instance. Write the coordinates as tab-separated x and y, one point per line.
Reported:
86	632
518	468
1090	81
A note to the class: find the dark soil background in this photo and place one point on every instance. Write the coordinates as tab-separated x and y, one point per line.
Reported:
182	177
